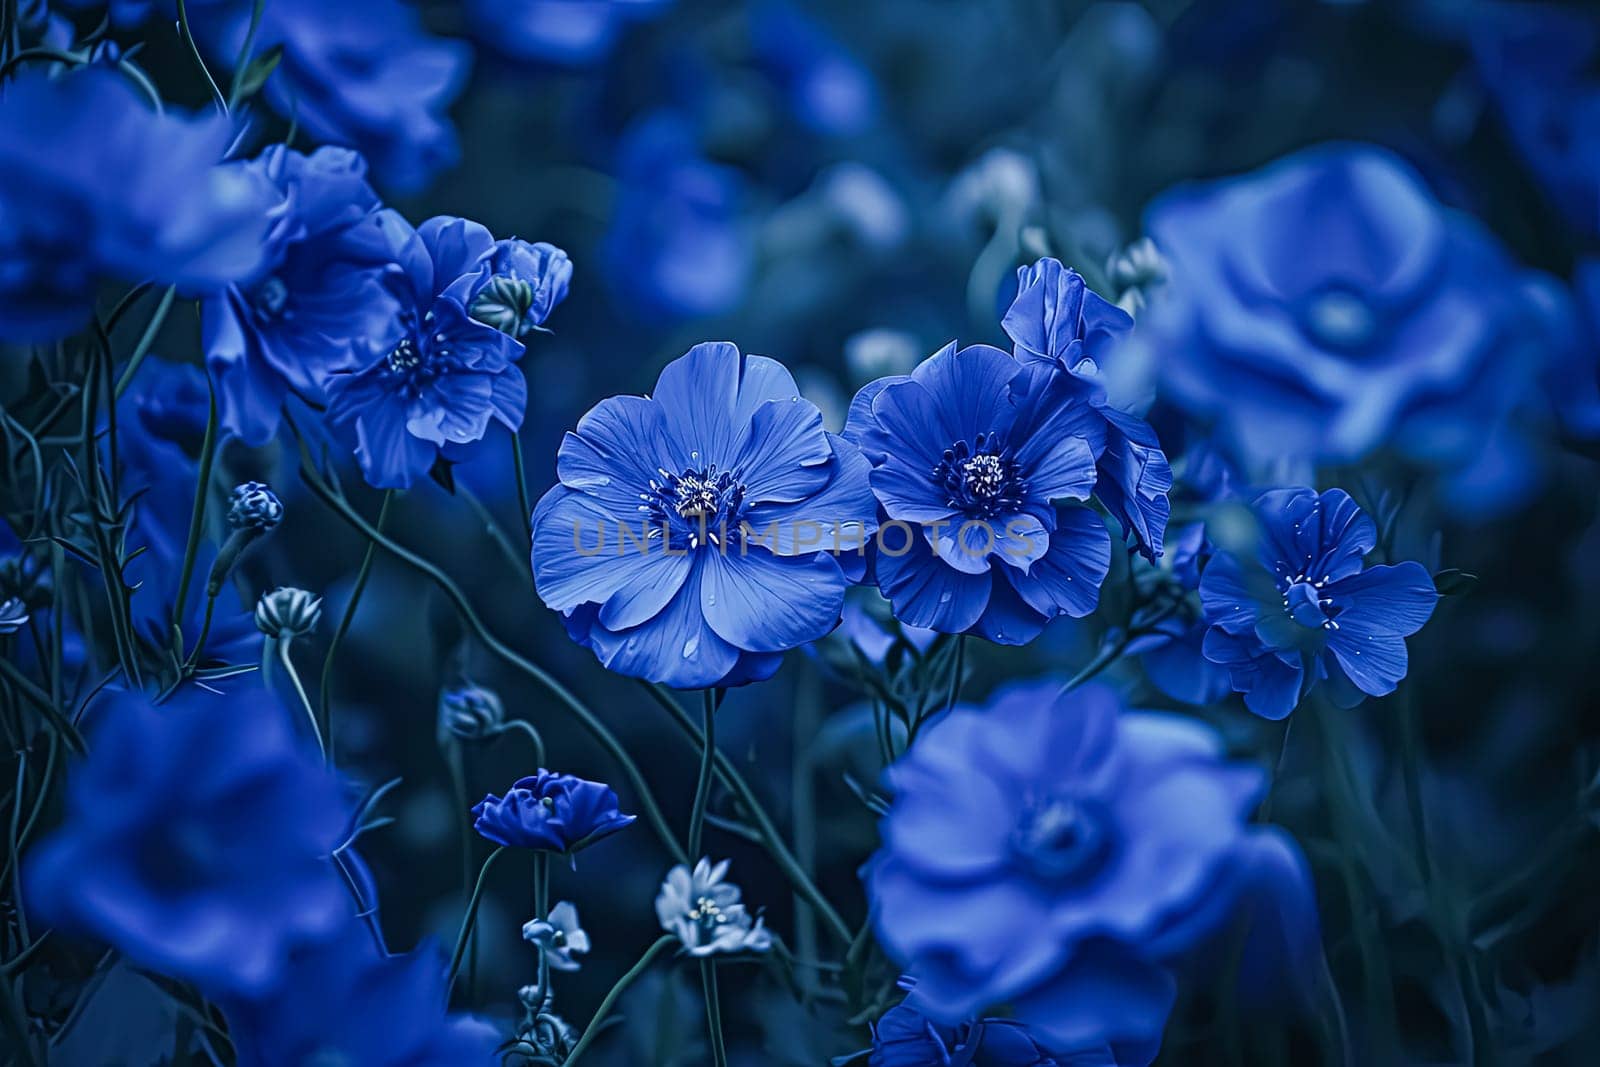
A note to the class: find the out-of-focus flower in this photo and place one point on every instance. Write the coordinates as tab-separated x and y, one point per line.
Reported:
196	840
706	913
558	937
699	533
1040	821
550	812
1538	63
254	506
677	247
974	457
1000	184
880	353
13	615
1304	609
319	298
345	999
904	1037
1134	272
1388	336
470	712
1173	655
828	89
288	613
431	390
522	284
1056	320
78	207
569	32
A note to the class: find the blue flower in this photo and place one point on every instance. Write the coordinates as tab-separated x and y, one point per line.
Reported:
828	89
571	32
521	285
1055	854
345	999
698	534
974	458
78	207
1409	328
551	812
323	291
1304	609
432	384
904	1037
677	247
1058	321
196	840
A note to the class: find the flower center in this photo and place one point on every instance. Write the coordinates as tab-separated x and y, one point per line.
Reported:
503	302
270	297
1061	837
404	358
980	478
1338	317
1305	604
706	913
704	499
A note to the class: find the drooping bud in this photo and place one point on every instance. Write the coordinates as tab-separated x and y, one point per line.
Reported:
470	712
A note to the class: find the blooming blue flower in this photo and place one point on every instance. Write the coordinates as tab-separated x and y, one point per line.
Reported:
1058	321
1305	610
904	1037
77	207
551	812
696	535
433	384
677	247
974	456
570	32
345	999
196	840
320	296
1388	336
706	913
1055	854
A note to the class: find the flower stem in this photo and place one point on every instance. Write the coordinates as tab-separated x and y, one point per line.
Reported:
197	515
305	702
345	621
469	920
526	727
702	789
661	944
522	490
146	340
585	717
188	39
708	982
771	839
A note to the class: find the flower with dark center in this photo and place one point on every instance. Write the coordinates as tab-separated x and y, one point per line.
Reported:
1304	610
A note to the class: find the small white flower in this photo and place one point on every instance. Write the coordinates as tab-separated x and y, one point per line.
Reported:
559	936
706	914
287	612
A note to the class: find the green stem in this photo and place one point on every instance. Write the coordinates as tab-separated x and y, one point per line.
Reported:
300	690
591	1032
146	340
197	515
469	920
708	982
345	621
702	789
522	488
771	839
242	63
194	50
523	726
585	717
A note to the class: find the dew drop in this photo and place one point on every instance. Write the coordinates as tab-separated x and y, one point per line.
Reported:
691	646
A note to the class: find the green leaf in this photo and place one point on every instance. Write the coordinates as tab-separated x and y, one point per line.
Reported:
254	76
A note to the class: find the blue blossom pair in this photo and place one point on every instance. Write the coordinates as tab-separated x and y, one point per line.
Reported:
1305	609
550	812
696	535
1387	337
196	841
1055	854
78	207
977	460
436	379
1057	321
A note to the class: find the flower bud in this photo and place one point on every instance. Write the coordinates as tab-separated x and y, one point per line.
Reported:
502	303
470	712
254	507
13	616
286	612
